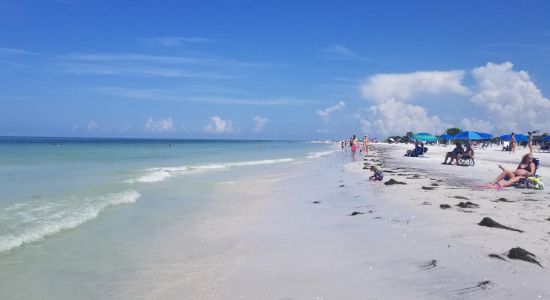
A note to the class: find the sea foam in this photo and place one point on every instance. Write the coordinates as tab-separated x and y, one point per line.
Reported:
35	220
160	174
320	154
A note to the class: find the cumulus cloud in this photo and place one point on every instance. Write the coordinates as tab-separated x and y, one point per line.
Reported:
504	100
218	125
392	117
159	126
381	87
510	98
259	123
92	125
325	113
477	125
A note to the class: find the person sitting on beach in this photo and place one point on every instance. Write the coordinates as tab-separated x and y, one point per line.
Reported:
378	175
453	155
525	169
469	152
418	150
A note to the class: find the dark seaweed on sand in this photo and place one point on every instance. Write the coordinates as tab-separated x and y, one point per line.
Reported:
522	254
488	222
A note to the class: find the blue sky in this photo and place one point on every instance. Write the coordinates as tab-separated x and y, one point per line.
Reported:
278	69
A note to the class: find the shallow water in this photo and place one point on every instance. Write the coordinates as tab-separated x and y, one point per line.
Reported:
77	216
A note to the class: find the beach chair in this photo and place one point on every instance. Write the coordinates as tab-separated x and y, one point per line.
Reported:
466	160
532	182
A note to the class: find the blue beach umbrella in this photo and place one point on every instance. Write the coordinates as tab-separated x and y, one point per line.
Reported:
547	138
446	137
505	137
485	135
424	136
521	137
467	135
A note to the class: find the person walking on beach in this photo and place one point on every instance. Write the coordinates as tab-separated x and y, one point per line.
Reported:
530	141
366	145
513	143
354	145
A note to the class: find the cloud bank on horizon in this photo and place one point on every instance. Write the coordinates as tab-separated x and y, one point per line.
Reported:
505	99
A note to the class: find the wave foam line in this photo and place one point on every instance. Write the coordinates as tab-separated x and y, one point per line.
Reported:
320	154
160	174
47	219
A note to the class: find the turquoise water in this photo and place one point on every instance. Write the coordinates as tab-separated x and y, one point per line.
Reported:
77	214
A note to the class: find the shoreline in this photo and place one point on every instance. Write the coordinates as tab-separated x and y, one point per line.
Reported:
397	247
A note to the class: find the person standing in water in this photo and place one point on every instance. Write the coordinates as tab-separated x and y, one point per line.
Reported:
366	145
354	145
530	141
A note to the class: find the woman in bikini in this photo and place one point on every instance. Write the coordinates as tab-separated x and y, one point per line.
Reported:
366	145
530	141
525	169
354	145
513	143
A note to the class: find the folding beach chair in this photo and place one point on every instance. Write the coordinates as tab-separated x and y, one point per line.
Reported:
532	182
466	160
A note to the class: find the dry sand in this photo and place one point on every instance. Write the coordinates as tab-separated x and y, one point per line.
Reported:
293	235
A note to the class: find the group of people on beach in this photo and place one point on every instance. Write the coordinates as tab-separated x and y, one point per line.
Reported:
458	153
513	143
354	144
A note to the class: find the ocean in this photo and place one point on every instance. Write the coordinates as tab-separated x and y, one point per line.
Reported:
79	217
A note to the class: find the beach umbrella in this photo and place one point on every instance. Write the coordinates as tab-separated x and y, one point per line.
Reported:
505	137
467	135
424	136
485	135
446	137
547	138
521	137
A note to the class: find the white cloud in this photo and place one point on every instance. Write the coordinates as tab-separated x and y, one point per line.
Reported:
170	41
476	125
259	123
218	125
92	125
12	51
511	100
324	131
160	125
340	52
505	100
182	95
381	87
392	117
325	113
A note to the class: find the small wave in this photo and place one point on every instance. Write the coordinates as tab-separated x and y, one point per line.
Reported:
160	174
319	154
33	221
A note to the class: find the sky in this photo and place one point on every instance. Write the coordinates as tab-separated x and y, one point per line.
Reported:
272	69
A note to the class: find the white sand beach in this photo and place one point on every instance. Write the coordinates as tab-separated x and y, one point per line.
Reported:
277	242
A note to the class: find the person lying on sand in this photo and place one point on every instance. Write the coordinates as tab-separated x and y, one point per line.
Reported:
453	155
525	169
378	175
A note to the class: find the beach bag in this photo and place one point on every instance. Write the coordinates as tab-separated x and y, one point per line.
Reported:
535	182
